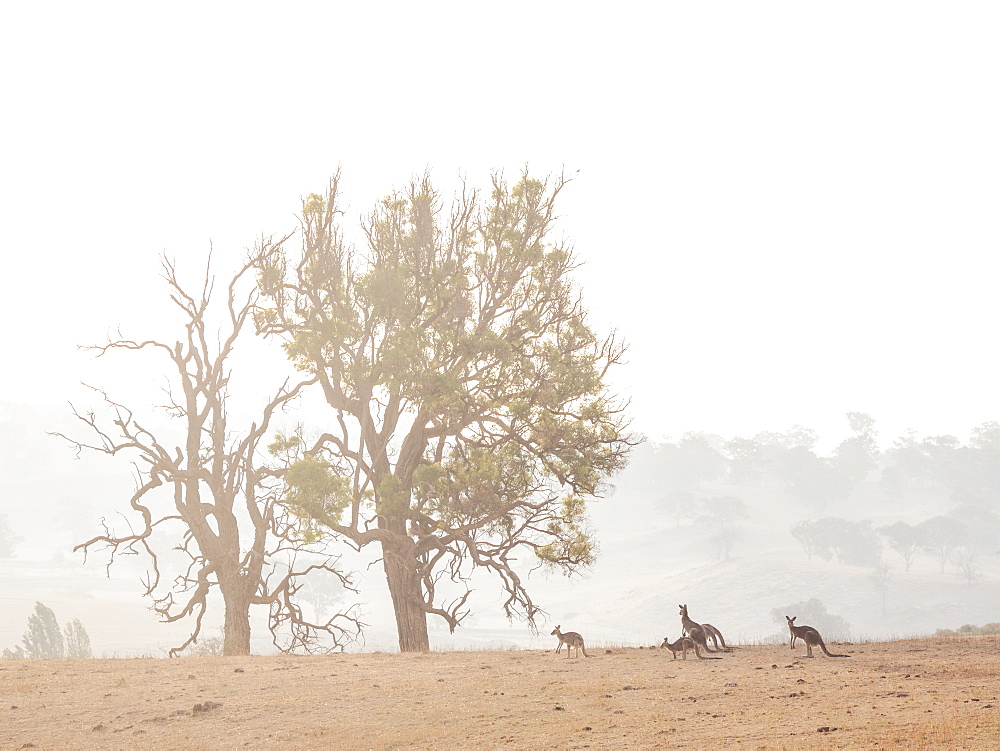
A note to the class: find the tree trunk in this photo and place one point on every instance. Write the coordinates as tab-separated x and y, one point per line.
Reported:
404	586
236	630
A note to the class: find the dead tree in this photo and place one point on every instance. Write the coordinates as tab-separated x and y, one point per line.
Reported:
209	484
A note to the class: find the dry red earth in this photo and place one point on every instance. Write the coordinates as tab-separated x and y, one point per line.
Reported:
928	693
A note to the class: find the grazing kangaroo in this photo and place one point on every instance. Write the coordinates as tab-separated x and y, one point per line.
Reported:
810	636
570	639
684	644
711	632
694	630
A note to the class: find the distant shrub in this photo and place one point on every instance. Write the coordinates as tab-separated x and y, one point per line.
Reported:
209	646
969	630
77	641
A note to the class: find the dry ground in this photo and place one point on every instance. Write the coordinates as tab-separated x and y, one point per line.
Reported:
932	693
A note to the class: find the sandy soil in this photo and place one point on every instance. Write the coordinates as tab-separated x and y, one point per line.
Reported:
931	693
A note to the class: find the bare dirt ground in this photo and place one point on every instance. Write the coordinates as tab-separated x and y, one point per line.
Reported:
928	693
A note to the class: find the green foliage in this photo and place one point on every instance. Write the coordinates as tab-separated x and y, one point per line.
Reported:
473	415
43	640
316	492
572	544
285	447
77	641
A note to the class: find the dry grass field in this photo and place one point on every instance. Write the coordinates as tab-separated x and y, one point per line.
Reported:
926	693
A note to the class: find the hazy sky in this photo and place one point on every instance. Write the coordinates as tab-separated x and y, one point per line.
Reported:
788	209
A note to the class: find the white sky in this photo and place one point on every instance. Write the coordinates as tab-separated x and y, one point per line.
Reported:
790	210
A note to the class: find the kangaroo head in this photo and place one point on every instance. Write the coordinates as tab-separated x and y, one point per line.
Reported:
790	620
555	631
684	609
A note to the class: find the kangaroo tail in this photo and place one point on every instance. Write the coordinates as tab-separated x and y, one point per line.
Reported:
700	657
827	652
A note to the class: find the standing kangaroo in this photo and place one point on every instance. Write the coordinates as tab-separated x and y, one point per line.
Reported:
810	636
694	630
711	632
684	644
571	639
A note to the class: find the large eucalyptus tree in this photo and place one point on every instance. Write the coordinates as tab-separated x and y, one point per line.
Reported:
472	415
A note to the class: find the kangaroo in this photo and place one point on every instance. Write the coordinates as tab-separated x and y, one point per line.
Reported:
711	632
571	639
694	630
810	636
684	644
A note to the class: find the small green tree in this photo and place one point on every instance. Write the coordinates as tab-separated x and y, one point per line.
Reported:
43	640
77	641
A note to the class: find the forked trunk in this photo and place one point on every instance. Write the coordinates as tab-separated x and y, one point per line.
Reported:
407	601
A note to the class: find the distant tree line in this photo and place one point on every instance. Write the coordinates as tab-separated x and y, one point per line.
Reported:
689	473
942	466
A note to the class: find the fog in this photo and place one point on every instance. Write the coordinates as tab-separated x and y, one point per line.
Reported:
787	212
741	529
